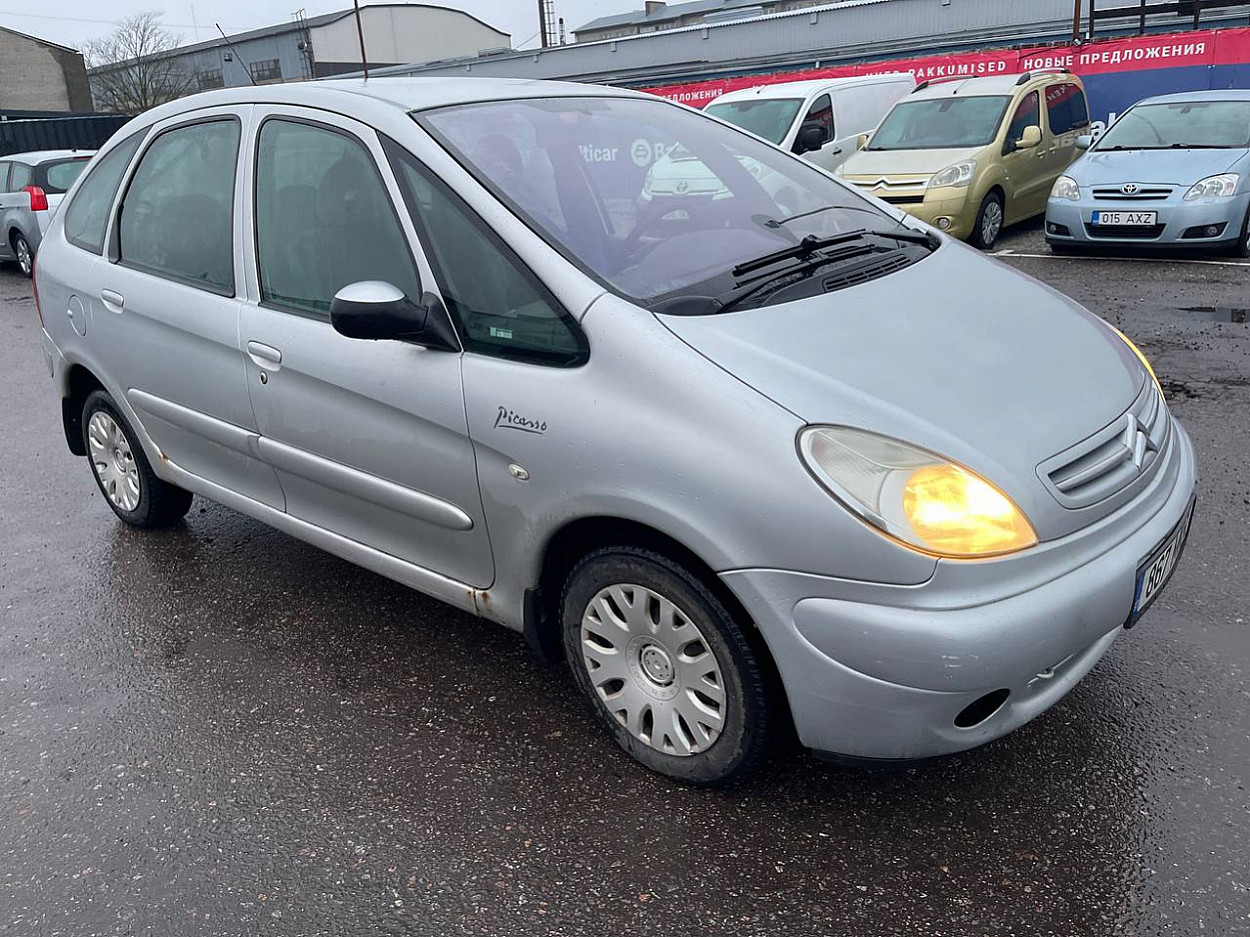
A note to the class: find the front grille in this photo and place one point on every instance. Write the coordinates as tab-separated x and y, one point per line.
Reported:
1144	194
903	199
1124	232
1128	450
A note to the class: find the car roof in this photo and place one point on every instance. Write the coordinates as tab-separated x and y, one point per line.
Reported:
987	85
35	157
801	89
347	95
1228	94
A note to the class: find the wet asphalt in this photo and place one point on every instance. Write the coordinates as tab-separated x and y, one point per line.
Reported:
218	730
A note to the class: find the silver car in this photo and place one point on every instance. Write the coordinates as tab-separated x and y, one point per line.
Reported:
1173	171
31	187
744	471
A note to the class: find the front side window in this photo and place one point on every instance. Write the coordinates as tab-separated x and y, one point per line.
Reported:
500	307
176	218
820	114
1181	125
1066	108
87	214
767	118
323	219
1028	114
648	197
941	123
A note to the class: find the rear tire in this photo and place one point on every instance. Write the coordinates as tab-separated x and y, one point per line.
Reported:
669	673
122	471
24	255
989	223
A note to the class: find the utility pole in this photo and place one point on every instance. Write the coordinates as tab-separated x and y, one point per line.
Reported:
542	23
360	32
1076	21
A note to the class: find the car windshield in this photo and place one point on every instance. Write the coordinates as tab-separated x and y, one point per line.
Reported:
768	118
1181	125
940	123
60	175
649	197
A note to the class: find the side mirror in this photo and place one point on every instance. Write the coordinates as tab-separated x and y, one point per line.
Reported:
1031	137
862	141
378	311
811	138
1084	141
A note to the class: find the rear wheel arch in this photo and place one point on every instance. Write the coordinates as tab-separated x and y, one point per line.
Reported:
80	382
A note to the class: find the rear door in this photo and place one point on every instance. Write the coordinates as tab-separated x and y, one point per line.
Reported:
369	439
164	302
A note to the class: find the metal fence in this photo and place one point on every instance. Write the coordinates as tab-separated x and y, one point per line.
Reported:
83	132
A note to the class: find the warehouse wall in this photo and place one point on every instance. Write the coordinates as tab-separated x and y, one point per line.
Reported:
404	34
39	76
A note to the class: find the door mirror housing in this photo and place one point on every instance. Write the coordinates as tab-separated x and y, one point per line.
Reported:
374	310
811	138
1085	141
1031	137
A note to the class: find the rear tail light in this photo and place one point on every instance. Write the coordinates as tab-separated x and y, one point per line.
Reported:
38	198
34	285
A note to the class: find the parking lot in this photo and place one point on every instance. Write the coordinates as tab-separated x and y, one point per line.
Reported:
219	730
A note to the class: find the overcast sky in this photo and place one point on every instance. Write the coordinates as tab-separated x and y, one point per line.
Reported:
72	22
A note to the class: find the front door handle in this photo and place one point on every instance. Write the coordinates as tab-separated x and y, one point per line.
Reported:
113	301
266	356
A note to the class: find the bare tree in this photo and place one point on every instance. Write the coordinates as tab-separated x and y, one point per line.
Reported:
134	68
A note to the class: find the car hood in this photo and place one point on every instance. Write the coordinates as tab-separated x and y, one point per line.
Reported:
905	162
1166	167
957	353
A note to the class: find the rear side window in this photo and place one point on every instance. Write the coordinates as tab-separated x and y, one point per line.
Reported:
87	213
177	214
500	307
20	177
1066	108
323	219
56	178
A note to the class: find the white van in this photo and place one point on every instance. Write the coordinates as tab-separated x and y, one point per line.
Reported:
820	120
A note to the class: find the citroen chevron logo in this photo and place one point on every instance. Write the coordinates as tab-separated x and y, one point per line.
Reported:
1136	441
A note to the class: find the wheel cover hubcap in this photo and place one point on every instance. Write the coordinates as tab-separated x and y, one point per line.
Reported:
23	256
112	461
993	221
652	668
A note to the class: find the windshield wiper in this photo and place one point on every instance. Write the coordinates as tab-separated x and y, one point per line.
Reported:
810	244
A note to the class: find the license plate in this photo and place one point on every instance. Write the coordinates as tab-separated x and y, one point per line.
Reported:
1155	572
1126	219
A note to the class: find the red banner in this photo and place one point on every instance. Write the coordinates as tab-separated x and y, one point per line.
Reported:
1177	50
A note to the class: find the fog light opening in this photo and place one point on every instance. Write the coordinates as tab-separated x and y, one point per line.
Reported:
944	223
981	709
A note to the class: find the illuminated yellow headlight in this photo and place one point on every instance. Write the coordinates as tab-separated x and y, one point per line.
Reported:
923	500
1140	357
956	513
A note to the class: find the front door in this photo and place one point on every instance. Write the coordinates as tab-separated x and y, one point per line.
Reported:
1025	169
369	439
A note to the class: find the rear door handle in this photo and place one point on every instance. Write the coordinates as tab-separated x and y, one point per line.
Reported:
266	356
113	301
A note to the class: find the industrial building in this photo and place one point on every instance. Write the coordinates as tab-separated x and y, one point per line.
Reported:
37	75
326	45
825	34
656	15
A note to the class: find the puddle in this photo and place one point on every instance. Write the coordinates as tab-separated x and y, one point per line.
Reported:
1217	313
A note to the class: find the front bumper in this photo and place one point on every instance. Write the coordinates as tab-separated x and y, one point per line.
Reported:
1069	222
882	672
951	210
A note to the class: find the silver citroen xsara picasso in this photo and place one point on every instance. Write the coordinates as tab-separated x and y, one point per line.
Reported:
773	459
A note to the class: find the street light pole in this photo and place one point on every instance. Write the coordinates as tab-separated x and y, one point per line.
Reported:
360	32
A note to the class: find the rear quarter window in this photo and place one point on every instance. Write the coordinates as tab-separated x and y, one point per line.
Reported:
88	211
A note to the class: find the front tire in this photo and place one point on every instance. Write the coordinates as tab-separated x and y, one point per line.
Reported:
989	223
1242	247
122	471
25	256
669	673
